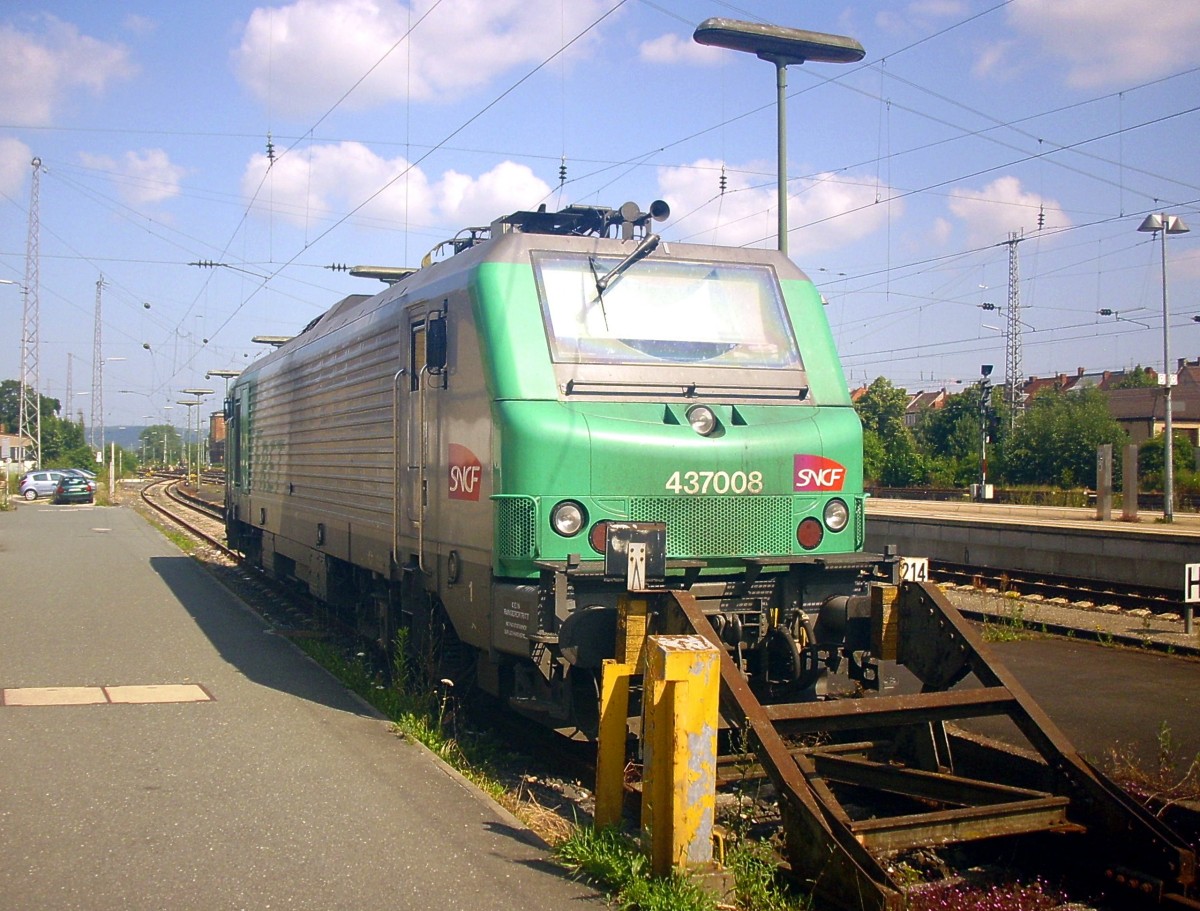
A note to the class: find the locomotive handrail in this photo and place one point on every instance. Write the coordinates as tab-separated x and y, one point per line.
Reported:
422	436
396	473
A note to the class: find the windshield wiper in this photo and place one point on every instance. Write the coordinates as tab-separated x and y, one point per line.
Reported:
641	251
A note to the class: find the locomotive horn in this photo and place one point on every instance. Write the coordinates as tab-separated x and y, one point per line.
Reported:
659	210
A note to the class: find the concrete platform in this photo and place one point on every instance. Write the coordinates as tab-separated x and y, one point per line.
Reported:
162	749
1065	542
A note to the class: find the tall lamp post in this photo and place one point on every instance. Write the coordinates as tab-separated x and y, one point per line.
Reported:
1164	224
782	47
199	394
187	454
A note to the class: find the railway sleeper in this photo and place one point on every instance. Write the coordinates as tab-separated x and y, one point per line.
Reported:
860	779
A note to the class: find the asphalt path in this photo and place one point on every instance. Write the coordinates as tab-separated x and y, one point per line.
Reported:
275	789
1111	698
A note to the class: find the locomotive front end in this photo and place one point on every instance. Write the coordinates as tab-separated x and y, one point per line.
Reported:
689	399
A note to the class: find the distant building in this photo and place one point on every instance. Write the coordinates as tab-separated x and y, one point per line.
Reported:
216	438
920	402
1141	412
13	447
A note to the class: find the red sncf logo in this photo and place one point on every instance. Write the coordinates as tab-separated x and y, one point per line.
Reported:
466	474
814	472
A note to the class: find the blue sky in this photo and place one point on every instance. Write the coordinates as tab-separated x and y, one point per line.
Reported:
393	125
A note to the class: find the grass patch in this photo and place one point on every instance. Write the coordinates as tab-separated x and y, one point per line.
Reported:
613	862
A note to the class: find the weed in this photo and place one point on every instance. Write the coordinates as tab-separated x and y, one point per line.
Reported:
1008	627
1163	783
755	875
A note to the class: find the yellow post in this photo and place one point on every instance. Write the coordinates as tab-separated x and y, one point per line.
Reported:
679	733
610	745
632	616
885	621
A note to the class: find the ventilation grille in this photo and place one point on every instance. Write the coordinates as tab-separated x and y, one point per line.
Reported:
516	528
720	526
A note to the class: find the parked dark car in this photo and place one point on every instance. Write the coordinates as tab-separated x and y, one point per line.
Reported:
74	489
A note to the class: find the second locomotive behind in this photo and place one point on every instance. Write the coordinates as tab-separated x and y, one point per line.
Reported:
455	455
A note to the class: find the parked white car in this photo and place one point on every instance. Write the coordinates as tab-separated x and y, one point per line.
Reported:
39	484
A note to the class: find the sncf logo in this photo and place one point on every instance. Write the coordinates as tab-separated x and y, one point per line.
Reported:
466	474
818	473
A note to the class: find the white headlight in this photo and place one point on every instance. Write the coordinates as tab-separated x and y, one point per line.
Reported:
836	515
702	419
567	518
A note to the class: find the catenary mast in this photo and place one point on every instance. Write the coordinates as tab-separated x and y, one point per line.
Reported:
29	419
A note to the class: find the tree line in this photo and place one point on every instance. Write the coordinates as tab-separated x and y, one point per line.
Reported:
64	443
1051	443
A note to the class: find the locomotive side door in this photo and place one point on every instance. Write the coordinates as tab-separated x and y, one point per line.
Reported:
425	375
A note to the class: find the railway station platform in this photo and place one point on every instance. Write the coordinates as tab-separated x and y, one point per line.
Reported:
162	749
1034	539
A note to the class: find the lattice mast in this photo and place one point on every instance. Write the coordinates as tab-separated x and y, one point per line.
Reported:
1012	355
97	429
66	406
29	414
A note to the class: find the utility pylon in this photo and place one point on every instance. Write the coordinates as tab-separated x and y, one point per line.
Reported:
29	413
96	437
1012	352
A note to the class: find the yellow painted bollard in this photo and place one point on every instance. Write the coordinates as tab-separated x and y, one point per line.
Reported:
610	745
679	730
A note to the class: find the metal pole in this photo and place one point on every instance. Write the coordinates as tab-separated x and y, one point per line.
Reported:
781	177
1168	443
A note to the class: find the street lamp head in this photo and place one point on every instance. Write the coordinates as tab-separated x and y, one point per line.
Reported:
777	43
1155	222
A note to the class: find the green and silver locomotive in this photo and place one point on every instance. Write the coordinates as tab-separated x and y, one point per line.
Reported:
493	447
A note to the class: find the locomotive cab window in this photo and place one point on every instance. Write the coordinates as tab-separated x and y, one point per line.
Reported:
428	347
664	312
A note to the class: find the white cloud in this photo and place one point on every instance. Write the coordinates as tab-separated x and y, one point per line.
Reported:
672	48
1002	207
142	178
302	58
995	58
38	71
920	16
1112	42
824	213
324	182
15	166
506	188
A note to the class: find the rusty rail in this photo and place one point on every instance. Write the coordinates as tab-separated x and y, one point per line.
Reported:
948	787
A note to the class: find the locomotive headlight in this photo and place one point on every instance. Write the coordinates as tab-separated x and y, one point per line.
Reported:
567	518
702	419
836	515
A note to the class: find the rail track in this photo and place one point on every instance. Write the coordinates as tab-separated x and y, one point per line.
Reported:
1058	589
196	516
